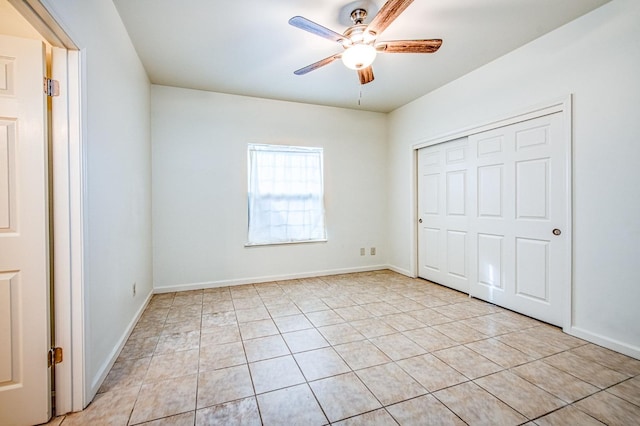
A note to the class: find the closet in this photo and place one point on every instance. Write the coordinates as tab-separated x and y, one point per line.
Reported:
493	213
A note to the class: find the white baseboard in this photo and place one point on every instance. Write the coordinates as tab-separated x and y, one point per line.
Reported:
264	279
598	339
402	271
113	356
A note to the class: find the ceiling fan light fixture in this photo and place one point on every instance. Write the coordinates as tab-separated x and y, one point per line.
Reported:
360	40
359	56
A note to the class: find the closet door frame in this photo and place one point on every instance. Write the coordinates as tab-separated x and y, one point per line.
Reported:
562	105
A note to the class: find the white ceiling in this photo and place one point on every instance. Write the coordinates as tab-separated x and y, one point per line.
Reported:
247	47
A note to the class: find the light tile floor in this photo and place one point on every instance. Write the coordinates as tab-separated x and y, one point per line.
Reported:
359	349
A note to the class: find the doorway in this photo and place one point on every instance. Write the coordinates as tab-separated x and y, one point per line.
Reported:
64	194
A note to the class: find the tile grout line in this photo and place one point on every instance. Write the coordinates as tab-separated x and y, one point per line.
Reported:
322	293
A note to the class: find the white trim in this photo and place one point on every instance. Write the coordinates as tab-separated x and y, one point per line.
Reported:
414	262
558	105
604	341
68	232
104	369
61	232
39	17
562	105
264	279
283	243
76	79
402	271
68	195
567	116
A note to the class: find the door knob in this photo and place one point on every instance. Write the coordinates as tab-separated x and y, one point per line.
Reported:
420	220
557	231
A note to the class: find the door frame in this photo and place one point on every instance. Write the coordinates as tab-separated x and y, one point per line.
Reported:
562	105
67	195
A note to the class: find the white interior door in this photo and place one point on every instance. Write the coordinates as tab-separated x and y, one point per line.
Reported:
488	207
24	262
444	209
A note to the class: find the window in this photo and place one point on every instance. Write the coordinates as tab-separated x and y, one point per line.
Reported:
286	195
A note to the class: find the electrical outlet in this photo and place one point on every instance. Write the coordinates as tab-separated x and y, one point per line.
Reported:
134	289
373	251
362	252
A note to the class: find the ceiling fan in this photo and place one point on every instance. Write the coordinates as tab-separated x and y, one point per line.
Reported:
359	40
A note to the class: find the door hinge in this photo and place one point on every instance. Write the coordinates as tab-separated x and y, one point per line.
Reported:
51	87
55	356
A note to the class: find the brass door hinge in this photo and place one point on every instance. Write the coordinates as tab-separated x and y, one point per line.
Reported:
51	87
55	356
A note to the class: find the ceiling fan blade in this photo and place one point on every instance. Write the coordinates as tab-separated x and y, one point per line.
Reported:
389	12
365	75
409	46
317	29
316	65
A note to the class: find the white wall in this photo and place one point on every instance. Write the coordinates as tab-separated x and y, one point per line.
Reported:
200	187
597	59
117	203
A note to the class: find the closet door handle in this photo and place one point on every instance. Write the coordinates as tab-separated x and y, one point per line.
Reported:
557	232
420	220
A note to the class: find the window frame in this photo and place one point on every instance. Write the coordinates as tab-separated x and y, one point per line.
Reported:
255	147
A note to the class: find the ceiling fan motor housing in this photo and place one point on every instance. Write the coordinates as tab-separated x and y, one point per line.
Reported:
358	16
357	34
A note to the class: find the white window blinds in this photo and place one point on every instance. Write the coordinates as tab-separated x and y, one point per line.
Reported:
286	195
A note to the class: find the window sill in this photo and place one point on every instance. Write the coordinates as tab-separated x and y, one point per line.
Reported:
249	245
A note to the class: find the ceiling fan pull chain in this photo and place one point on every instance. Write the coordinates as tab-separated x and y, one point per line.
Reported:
360	98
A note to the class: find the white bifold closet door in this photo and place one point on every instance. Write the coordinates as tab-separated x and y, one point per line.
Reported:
492	210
